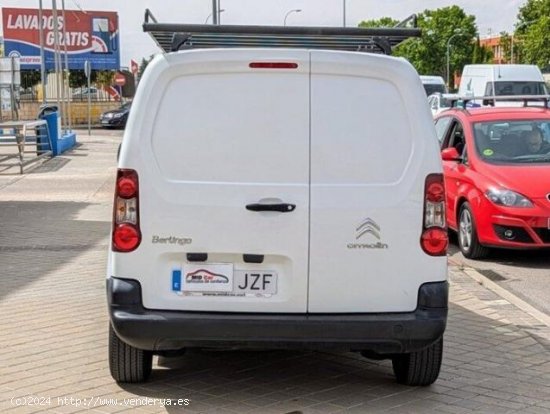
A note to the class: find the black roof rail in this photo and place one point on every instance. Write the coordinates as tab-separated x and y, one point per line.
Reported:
171	37
491	99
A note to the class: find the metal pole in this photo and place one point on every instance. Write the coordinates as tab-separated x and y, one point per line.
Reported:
66	94
89	105
512	50
219	12
344	12
214	11
13	102
289	12
56	55
448	65
42	61
449	57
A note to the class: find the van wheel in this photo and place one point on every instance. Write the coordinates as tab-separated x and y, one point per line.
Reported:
467	235
419	368
128	364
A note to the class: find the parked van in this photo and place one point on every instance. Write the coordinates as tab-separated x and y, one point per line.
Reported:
279	198
501	80
433	84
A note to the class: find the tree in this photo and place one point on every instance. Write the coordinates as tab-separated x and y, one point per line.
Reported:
29	78
505	44
532	38
481	54
105	77
143	65
429	53
77	78
383	22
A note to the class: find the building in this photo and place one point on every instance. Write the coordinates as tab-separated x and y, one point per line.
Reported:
494	44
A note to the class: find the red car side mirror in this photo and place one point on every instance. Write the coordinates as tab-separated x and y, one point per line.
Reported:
450	154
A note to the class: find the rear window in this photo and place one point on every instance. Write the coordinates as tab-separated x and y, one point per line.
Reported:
432	88
503	88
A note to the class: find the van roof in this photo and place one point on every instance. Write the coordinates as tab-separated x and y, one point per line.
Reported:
432	79
509	72
173	37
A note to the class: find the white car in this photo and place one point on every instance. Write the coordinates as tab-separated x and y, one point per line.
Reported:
272	197
440	102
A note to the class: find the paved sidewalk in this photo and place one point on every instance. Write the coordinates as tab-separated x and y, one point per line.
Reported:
53	356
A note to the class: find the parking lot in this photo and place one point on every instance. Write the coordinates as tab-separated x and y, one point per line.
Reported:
55	225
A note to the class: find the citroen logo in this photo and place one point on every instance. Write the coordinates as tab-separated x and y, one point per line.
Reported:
367	226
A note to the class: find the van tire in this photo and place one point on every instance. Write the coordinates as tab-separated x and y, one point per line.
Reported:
421	367
468	241
128	364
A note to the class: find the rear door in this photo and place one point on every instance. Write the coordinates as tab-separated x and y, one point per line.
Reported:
231	135
372	145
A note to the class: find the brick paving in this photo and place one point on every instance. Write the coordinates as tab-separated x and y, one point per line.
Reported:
54	225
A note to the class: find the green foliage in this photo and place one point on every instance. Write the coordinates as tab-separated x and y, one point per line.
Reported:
532	37
143	65
29	77
105	77
446	29
383	22
429	53
481	54
505	43
77	78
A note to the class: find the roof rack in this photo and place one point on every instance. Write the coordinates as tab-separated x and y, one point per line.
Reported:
490	100
173	37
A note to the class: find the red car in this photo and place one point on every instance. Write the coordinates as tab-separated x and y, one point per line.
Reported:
496	163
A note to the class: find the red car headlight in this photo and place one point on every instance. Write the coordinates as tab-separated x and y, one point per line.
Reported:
507	198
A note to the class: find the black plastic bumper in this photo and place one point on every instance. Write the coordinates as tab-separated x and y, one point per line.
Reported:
382	333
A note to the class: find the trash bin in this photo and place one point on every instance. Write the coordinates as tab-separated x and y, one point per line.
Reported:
49	113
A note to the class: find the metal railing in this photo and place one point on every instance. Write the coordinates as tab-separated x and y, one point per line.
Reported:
23	143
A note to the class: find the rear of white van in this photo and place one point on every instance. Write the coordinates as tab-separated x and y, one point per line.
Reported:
502	80
279	198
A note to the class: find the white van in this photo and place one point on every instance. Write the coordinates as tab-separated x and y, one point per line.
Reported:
271	197
501	80
433	84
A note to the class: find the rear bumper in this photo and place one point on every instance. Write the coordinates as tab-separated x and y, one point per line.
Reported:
382	333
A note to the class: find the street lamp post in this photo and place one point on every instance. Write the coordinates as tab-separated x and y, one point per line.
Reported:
210	15
512	38
344	12
289	12
457	33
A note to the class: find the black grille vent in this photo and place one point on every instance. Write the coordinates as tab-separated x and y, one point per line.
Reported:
544	234
519	235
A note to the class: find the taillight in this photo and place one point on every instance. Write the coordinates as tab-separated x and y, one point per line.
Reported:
126	235
273	65
434	239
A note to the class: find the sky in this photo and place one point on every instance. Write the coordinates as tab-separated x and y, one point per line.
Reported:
492	16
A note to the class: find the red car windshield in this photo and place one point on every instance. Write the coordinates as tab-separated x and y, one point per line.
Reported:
513	142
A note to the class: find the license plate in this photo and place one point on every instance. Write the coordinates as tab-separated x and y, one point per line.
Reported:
255	282
104	122
222	279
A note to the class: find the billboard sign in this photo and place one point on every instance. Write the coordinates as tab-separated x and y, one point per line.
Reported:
88	35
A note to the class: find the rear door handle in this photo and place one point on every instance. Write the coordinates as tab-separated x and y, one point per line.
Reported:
281	208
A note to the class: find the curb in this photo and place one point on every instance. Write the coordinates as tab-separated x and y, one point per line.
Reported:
505	294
